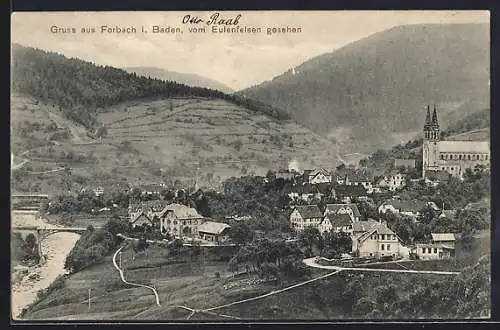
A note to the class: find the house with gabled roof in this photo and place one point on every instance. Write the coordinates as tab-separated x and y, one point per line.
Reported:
441	246
180	220
151	209
213	231
377	241
392	180
140	219
359	178
336	223
410	208
305	216
316	176
349	208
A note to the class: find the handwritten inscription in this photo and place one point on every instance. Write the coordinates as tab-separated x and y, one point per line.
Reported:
214	19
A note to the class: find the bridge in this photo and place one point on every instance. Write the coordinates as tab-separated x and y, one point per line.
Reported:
45	230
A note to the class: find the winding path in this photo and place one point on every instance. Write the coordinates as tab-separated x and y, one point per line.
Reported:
122	276
312	263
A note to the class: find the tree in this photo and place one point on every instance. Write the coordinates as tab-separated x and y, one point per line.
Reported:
311	236
240	233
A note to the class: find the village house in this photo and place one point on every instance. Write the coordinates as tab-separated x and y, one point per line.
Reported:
213	231
152	209
350	209
316	176
179	220
349	193
141	219
392	181
358	178
150	189
310	192
336	222
442	246
410	208
338	178
305	216
375	239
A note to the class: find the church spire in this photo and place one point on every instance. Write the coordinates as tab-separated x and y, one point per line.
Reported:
434	117
428	117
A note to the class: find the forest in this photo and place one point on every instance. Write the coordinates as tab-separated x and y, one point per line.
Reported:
82	89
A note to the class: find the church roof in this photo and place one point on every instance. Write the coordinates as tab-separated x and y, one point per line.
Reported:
464	146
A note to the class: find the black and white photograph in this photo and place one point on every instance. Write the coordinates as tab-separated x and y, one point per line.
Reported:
238	166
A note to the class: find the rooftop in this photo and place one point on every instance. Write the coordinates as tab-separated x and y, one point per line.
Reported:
309	211
212	227
340	220
362	226
182	211
443	237
464	146
333	208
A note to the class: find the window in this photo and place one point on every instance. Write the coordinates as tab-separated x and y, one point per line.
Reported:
435	250
442	168
485	157
388	247
452	168
442	156
371	254
468	157
460	157
382	247
429	250
423	250
383	237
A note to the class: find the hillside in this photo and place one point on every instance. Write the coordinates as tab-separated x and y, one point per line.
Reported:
381	84
81	90
155	141
181	78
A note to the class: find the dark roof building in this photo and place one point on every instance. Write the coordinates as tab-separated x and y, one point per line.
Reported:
309	211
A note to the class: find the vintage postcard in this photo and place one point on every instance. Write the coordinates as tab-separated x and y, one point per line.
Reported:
250	165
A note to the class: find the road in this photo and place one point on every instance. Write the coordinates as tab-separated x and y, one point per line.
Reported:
311	262
122	276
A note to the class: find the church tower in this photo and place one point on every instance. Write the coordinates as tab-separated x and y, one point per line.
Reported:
430	148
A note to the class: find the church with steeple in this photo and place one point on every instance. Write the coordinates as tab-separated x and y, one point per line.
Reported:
453	157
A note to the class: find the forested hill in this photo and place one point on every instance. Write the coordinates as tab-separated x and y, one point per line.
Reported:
82	89
373	91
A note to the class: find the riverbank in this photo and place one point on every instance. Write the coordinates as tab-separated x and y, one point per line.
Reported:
56	247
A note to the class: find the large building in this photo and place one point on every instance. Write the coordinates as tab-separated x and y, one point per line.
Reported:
453	157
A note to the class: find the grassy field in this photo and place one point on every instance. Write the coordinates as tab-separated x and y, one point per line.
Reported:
159	140
188	283
182	281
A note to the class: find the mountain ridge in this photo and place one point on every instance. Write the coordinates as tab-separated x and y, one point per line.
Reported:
383	82
189	79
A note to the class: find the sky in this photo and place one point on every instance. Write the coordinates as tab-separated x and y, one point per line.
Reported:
238	60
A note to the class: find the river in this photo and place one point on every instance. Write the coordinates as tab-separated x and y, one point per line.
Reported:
55	247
